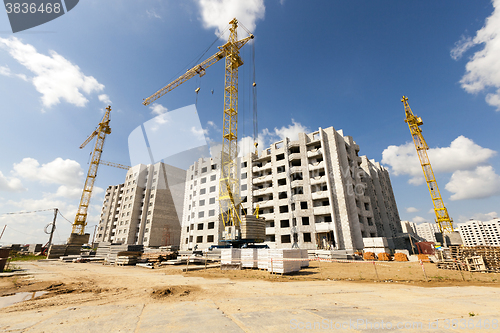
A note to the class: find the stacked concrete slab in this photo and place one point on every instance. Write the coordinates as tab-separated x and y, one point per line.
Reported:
284	261
230	256
249	258
263	258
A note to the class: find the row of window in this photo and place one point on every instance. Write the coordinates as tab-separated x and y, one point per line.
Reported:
199	239
200	226
287	239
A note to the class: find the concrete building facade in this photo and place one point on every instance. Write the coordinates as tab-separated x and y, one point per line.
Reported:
475	233
145	209
427	231
315	192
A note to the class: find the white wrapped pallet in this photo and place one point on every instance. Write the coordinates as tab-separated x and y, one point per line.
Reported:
279	262
249	258
230	256
263	258
304	254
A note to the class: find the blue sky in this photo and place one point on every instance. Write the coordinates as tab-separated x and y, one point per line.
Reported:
318	64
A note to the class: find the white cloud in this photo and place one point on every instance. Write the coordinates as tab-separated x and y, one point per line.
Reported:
105	99
292	131
411	210
10	184
152	14
158	109
464	44
479	217
483	69
4	70
55	77
218	13
480	183
462	154
419	219
59	171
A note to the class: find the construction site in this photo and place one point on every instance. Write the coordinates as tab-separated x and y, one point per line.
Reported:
302	234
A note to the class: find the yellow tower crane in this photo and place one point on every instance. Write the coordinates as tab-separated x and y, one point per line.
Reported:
443	220
81	216
229	180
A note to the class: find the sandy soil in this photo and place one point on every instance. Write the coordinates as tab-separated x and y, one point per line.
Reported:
91	297
69	283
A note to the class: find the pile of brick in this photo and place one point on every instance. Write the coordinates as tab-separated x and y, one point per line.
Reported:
400	257
424	258
369	256
384	256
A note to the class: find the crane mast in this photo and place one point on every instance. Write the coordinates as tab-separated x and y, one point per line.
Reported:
229	198
443	220
102	130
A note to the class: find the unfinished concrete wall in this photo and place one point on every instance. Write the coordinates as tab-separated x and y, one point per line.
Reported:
144	211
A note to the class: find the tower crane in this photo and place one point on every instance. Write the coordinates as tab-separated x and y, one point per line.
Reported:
443	220
229	181
81	216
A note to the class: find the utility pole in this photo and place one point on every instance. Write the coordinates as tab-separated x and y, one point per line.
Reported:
5	226
52	229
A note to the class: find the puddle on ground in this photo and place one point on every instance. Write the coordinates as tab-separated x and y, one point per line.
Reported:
19	297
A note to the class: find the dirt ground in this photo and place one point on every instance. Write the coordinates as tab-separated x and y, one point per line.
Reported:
70	281
238	300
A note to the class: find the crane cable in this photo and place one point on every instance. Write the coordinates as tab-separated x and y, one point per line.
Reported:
254	96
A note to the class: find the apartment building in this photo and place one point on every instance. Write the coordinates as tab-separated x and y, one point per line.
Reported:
315	192
145	209
427	231
475	233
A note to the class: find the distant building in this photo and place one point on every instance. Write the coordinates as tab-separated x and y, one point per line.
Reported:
409	227
427	231
480	233
315	193
144	209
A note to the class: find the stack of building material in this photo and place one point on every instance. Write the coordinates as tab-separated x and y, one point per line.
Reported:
400	257
126	259
253	228
230	256
376	245
103	250
489	254
263	259
73	250
35	248
304	254
115	249
284	261
158	256
249	258
384	256
369	256
56	251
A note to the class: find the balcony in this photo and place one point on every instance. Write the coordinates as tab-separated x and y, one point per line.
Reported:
317	165
263	179
314	152
324	226
317	180
265	203
319	195
263	191
321	210
294	156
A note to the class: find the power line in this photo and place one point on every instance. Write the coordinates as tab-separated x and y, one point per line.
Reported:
29	212
64	217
